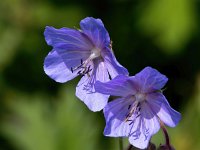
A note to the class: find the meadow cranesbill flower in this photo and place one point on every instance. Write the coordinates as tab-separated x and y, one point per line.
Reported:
84	52
139	108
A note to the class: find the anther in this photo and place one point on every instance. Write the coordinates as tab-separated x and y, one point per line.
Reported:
135	110
81	61
139	108
130	123
137	115
72	70
84	69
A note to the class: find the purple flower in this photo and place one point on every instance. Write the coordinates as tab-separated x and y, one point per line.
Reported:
84	52
141	106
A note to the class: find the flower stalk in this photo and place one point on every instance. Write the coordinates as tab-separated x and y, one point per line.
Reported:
167	142
121	143
167	145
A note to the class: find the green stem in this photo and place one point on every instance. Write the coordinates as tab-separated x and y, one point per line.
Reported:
120	144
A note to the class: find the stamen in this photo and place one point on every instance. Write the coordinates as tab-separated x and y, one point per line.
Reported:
139	108
130	123
79	72
84	69
75	68
135	110
137	115
72	70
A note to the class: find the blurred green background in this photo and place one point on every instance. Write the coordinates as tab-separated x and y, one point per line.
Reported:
37	113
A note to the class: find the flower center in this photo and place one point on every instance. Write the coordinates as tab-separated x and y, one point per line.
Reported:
95	52
140	97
